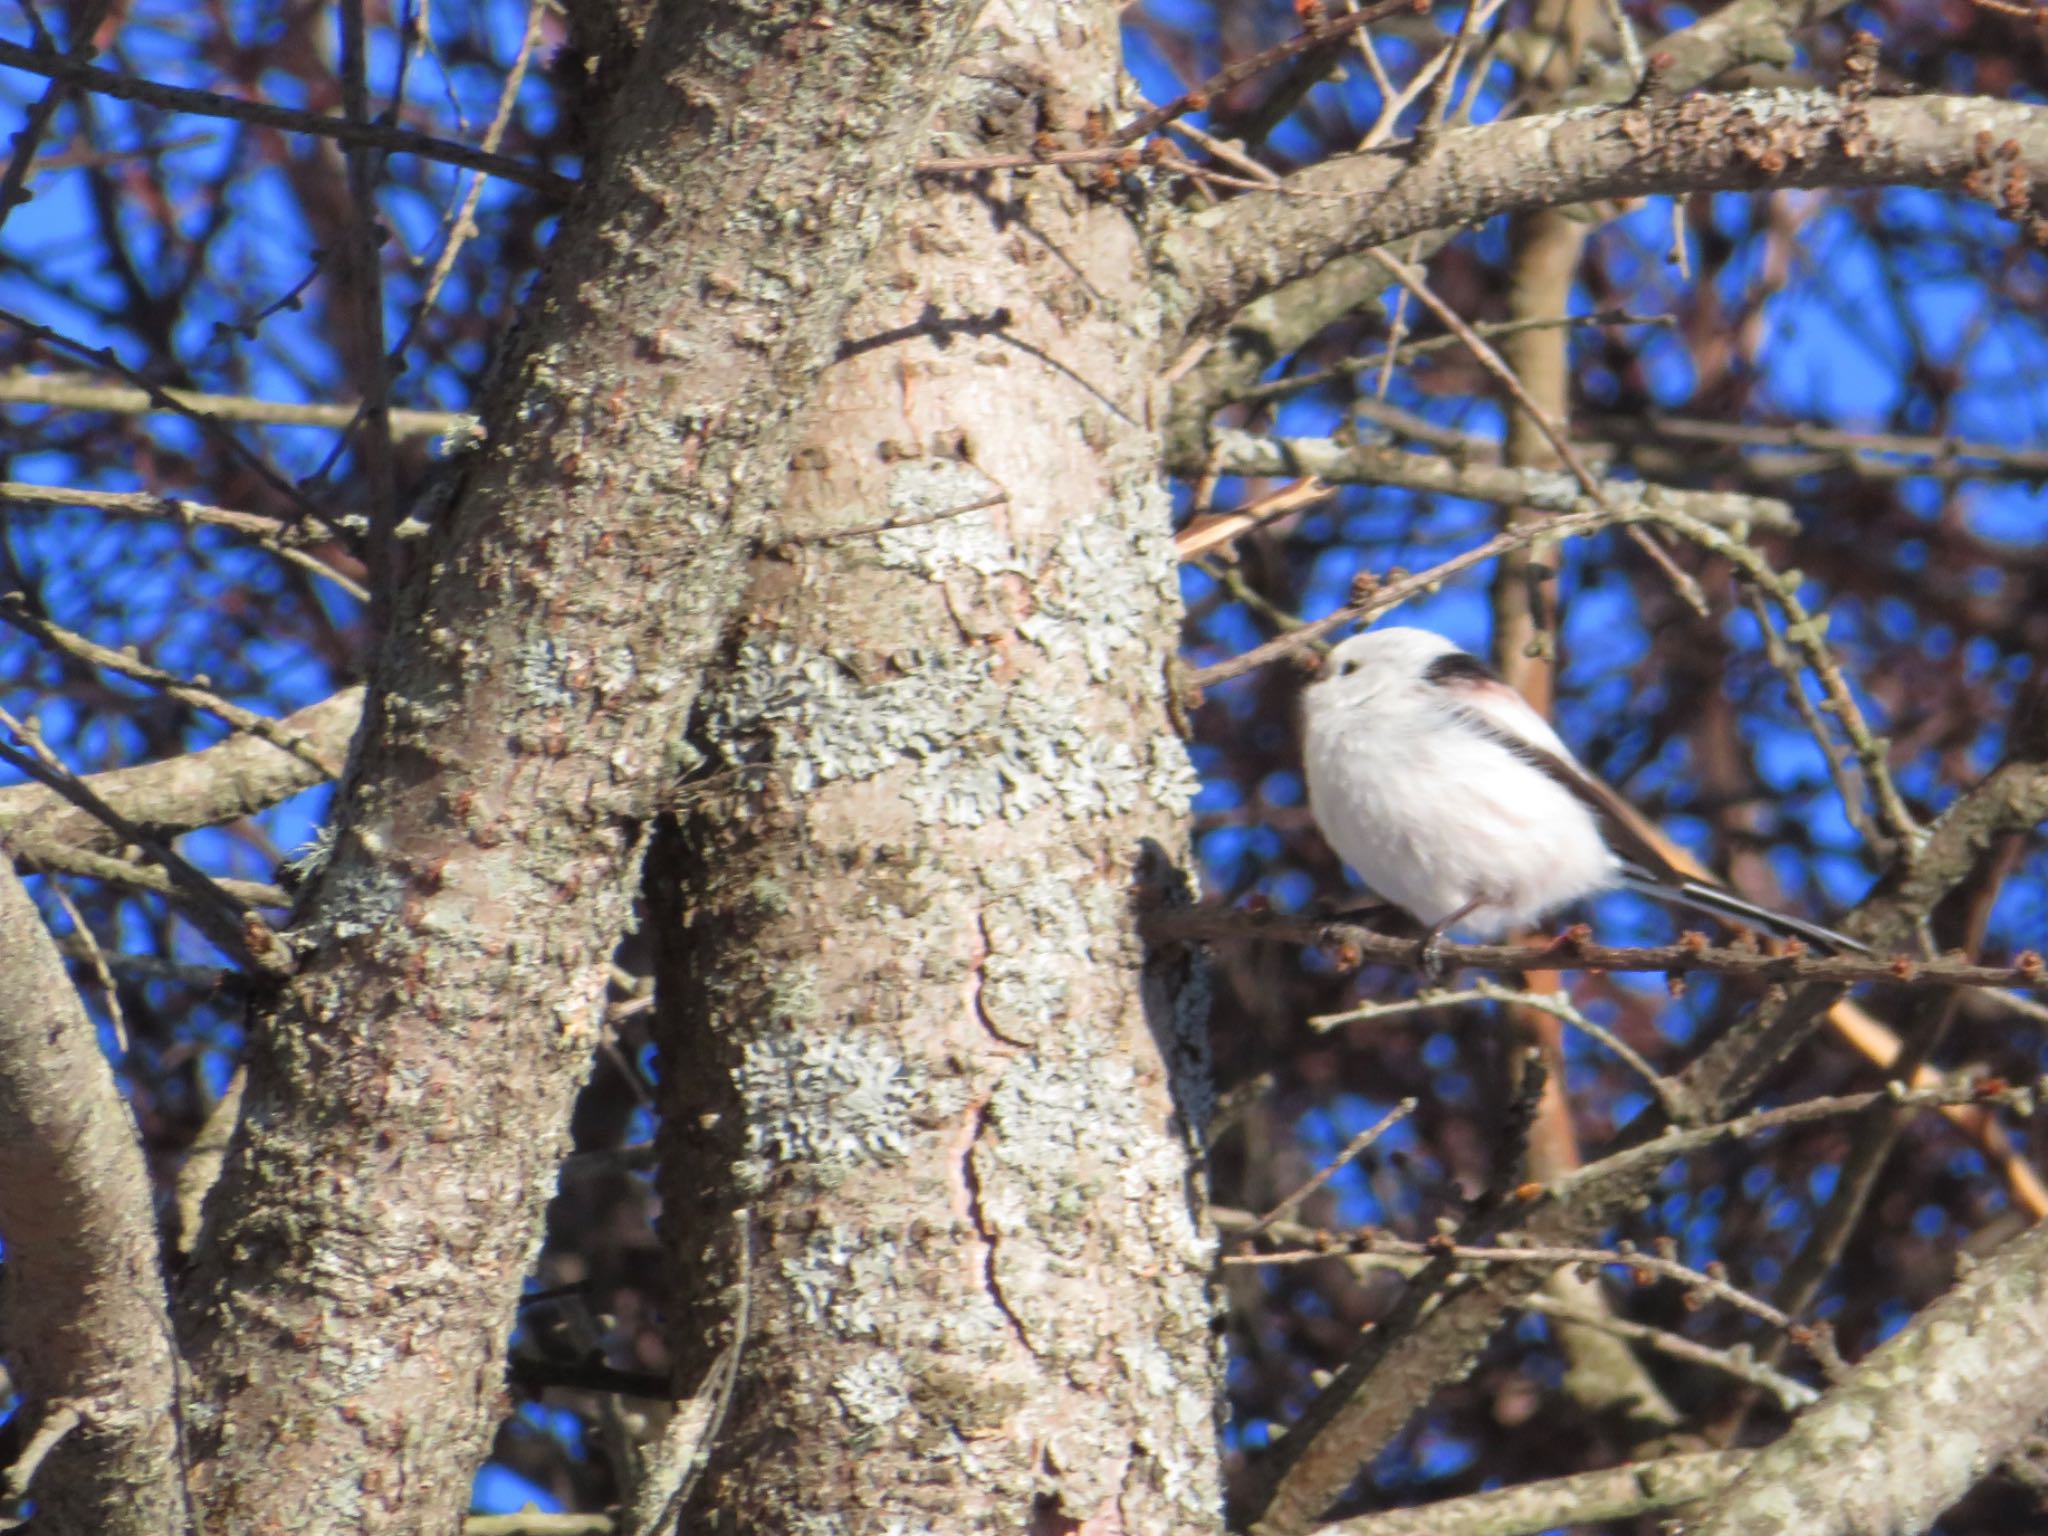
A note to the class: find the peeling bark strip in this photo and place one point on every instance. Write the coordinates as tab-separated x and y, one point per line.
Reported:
363	1250
910	1027
87	1319
1226	258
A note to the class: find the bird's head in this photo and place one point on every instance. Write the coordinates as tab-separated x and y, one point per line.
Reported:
1383	662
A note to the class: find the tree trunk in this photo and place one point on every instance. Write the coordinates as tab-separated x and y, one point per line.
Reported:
409	1090
931	1112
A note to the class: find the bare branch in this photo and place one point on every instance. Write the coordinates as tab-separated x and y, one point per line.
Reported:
224	918
462	224
362	296
1547	490
1316	35
25	388
1644	1265
110	360
176	98
1323	1175
1556	1004
61	859
1408	351
1660	1152
1803	449
88	1322
196	694
1278	323
1807	633
36	120
238	777
1954	1392
1389	594
61	1419
1741	32
272	533
1225	258
1574	950
1585	1498
1739	1362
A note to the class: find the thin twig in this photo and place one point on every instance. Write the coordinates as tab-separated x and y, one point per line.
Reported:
1739	1362
1687	588
1851	793
63	859
1227	152
1399	101
1949	455
1808	632
1575	949
716	1391
195	694
1546	490
1676	1143
1365	1138
1552	1003
59	1420
1400	587
463	225
175	98
1407	352
1234	75
204	978
1219	530
1469	25
1625	38
238	931
28	138
1696	1280
364	296
272	534
95	959
105	357
23	387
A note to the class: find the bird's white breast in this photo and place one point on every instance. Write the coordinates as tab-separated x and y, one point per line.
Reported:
1433	815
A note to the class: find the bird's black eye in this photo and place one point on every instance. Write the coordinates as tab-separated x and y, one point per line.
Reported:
1349	667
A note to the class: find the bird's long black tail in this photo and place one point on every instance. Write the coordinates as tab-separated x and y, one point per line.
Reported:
1715	902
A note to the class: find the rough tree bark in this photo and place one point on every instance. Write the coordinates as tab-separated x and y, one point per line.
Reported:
409	1086
929	1107
913	1056
88	1323
1940	1404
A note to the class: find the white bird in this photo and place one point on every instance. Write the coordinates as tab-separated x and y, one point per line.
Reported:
1457	802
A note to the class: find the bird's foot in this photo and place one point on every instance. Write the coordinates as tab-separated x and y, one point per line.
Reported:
1429	955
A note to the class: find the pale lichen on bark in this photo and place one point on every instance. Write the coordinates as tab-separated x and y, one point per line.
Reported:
943	739
451	992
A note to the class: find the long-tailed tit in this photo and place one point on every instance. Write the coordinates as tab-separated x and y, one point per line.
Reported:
1457	802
